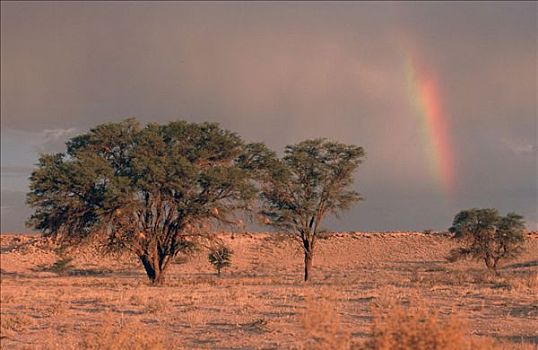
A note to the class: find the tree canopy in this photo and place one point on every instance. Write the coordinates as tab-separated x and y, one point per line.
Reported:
145	189
313	179
488	236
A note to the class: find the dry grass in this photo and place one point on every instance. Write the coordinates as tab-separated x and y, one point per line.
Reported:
15	324
525	283
322	326
261	301
400	328
130	335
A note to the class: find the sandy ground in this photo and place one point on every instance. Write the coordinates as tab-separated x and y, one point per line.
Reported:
259	301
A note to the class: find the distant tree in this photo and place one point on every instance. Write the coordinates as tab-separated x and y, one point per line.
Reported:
488	236
144	189
312	180
220	256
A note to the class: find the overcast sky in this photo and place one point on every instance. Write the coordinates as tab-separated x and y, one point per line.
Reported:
282	72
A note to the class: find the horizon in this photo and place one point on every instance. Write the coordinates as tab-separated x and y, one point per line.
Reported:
442	96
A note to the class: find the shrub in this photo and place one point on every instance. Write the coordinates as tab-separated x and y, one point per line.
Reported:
220	256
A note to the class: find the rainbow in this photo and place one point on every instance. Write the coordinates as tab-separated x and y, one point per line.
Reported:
425	93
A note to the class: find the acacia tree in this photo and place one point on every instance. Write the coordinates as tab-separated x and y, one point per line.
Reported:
312	180
144	189
487	236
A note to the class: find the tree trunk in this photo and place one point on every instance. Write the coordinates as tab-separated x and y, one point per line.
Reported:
488	262
491	263
307	264
153	269
495	264
159	278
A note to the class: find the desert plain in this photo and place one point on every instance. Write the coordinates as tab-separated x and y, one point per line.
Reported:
77	298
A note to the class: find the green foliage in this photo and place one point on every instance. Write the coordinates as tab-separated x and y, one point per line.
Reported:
220	256
487	236
146	189
313	179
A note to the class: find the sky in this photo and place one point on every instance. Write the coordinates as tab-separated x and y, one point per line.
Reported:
441	95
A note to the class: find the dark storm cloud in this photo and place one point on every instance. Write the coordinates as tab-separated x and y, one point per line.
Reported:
13	211
282	72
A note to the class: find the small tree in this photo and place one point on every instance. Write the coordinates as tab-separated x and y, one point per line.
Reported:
143	189
313	179
220	256
488	236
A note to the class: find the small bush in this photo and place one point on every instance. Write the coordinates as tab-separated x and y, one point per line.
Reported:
220	256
